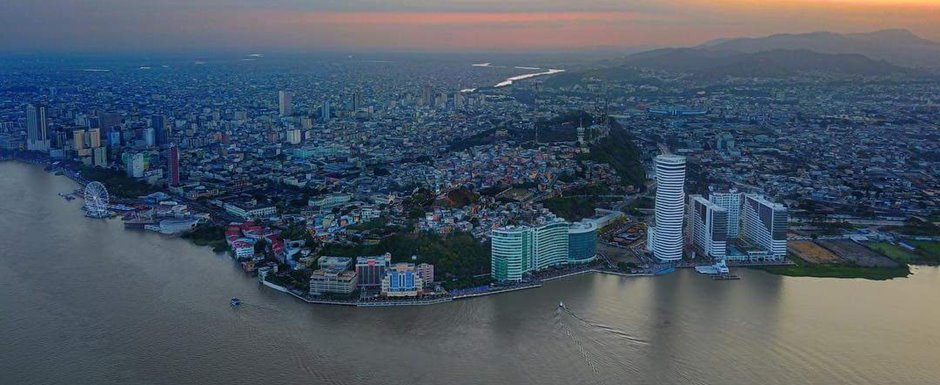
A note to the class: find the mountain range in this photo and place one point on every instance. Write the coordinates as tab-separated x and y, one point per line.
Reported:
887	52
896	46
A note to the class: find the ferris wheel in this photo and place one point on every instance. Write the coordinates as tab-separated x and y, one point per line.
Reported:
96	200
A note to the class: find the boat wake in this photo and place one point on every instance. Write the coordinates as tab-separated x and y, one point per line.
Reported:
564	329
605	328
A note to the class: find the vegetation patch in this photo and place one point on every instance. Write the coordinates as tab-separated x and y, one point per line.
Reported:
925	252
622	154
916	227
572	209
459	259
208	235
118	183
461	197
841	270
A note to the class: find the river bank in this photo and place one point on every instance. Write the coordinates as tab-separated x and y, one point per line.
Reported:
802	268
85	301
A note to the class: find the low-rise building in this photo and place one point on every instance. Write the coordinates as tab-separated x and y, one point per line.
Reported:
243	249
402	280
371	270
249	209
426	272
324	281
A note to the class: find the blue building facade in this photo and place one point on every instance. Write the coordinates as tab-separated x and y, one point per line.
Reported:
582	242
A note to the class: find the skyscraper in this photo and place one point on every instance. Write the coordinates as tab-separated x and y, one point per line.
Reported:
173	165
94	138
325	111
283	101
109	120
427	95
709	227
78	140
582	241
765	224
731	201
511	253
134	164
293	136
550	244
100	157
114	137
37	130
158	123
356	101
516	250
669	207
150	137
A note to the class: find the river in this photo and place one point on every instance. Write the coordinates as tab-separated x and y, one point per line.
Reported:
510	80
83	301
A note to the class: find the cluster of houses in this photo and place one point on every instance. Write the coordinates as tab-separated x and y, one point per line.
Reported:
371	275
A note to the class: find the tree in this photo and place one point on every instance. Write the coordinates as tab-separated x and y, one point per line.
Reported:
261	246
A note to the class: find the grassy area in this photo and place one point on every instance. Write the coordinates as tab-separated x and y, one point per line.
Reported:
894	252
930	250
843	270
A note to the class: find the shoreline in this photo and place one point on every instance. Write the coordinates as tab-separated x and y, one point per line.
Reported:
788	268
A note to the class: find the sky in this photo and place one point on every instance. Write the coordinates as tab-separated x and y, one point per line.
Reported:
175	26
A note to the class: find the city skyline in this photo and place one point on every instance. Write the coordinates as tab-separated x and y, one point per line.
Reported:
173	26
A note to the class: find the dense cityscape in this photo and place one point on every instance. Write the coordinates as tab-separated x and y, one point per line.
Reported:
470	192
309	178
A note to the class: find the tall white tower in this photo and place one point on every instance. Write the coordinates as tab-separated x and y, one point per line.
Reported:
669	207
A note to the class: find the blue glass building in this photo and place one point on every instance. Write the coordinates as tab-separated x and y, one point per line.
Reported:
582	242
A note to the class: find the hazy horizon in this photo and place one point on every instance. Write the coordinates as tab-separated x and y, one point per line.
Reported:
526	26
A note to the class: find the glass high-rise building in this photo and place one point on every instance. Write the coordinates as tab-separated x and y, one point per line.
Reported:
709	227
551	245
511	253
284	103
37	129
158	124
582	242
765	224
669	207
731	201
516	250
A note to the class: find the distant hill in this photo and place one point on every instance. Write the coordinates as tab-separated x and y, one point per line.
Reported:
886	52
774	63
896	46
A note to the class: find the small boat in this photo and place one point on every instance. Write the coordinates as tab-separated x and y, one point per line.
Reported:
235	302
561	305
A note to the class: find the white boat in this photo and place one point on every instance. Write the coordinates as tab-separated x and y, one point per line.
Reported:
718	268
